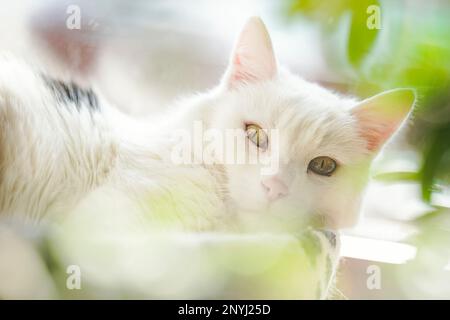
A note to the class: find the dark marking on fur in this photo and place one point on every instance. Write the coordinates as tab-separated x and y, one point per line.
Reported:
69	93
331	236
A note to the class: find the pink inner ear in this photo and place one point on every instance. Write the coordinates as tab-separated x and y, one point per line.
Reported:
375	138
374	128
253	59
381	115
239	74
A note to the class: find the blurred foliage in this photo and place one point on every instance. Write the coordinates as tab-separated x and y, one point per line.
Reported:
428	276
331	14
410	49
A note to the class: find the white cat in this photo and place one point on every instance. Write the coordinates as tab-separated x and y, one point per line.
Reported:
61	147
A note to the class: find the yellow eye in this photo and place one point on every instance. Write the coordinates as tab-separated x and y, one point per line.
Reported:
257	135
324	166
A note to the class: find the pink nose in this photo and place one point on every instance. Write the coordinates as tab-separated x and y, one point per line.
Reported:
275	188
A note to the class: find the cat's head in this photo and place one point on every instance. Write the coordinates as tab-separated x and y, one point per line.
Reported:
323	142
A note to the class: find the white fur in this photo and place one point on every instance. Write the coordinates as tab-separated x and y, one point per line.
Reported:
52	157
55	159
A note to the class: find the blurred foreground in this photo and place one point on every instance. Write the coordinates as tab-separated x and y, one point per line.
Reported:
143	55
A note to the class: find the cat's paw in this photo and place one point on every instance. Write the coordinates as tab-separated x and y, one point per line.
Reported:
322	250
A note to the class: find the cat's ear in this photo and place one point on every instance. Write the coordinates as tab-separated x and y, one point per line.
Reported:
253	58
380	116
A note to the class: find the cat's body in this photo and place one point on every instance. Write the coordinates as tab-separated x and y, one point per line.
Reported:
61	147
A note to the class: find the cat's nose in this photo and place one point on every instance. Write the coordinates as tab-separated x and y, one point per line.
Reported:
275	188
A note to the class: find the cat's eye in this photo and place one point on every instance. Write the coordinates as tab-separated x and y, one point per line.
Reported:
257	135
324	166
